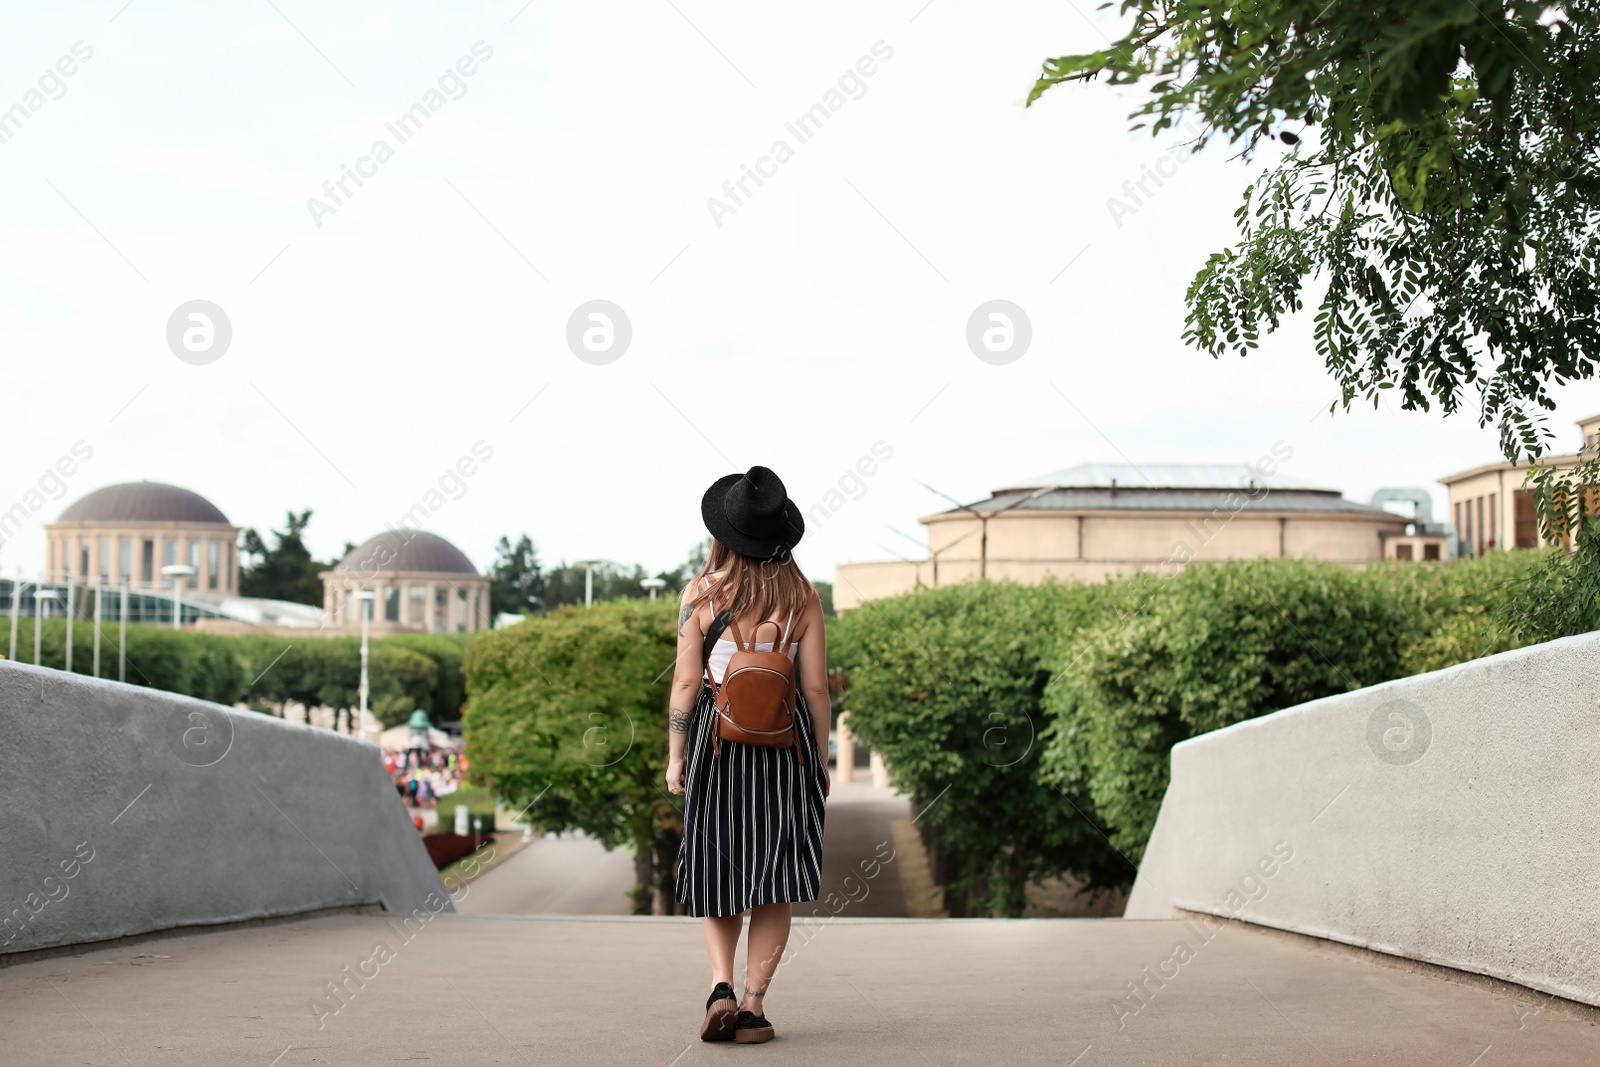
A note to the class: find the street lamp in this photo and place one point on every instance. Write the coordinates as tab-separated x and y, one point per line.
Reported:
42	599
176	571
588	566
365	598
655	585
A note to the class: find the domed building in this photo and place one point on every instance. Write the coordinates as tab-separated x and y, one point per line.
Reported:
421	581
126	533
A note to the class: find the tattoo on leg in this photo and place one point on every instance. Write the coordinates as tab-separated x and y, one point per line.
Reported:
678	722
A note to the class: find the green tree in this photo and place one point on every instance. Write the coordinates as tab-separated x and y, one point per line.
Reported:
565	584
286	570
1440	188
318	671
1562	597
518	586
1441	192
449	692
567	717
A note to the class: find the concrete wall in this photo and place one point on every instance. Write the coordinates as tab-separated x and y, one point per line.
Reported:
1451	817
127	811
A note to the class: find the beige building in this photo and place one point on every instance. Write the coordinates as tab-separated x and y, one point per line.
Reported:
1094	521
126	533
1489	506
421	581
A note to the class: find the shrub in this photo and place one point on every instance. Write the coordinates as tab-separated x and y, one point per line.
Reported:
938	678
567	712
479	802
946	685
1457	610
1209	647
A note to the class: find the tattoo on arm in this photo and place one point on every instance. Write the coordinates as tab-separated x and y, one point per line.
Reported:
678	722
684	614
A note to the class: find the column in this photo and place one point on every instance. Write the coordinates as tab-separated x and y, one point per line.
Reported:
846	764
429	609
880	772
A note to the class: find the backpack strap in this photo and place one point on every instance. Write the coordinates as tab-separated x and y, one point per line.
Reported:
783	643
756	634
718	624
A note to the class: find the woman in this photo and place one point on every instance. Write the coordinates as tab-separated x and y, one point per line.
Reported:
752	815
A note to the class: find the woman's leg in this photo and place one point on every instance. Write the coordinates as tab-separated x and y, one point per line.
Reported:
769	934
722	938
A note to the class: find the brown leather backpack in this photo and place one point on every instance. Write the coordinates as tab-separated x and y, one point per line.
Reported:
756	702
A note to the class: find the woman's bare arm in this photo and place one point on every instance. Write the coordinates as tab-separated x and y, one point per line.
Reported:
686	677
813	661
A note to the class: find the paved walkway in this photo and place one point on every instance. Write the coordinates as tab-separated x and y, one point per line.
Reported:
574	875
855	841
885	992
566	875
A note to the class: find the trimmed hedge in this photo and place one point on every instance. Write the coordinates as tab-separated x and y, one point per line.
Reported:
1207	648
1115	675
405	672
946	684
194	664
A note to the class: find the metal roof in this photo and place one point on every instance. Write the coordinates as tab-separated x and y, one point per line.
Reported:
1227	500
1162	476
143	502
406	552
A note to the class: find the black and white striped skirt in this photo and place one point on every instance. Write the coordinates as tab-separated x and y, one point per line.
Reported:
752	821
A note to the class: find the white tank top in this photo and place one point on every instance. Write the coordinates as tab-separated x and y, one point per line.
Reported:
722	651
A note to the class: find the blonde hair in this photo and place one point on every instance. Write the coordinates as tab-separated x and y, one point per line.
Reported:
746	586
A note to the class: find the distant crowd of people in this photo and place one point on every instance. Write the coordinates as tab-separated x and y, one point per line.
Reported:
423	776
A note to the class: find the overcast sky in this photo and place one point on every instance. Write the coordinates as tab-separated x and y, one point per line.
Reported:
378	337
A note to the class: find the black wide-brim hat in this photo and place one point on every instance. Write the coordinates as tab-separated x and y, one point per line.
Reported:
752	514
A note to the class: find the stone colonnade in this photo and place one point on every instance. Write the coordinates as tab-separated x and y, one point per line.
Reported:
432	603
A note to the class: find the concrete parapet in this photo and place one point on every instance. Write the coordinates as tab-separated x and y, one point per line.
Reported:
1451	817
129	811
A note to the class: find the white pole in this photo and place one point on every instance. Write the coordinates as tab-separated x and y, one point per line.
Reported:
122	636
70	614
16	599
177	572
38	628
365	607
588	587
99	617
